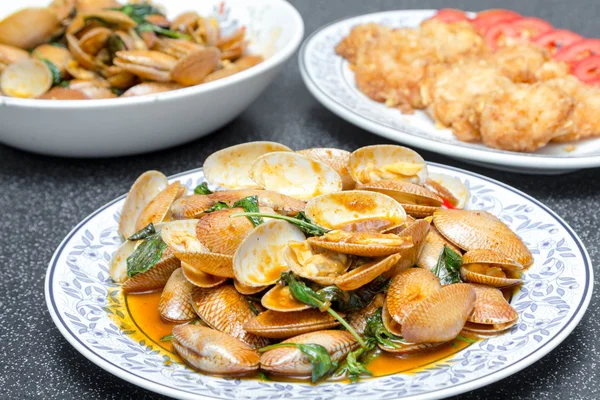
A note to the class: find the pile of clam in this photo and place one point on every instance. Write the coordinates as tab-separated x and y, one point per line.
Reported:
100	49
383	216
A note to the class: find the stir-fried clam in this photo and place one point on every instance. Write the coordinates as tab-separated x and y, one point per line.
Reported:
128	49
287	247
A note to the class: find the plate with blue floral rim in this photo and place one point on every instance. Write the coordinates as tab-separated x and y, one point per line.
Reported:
330	79
89	310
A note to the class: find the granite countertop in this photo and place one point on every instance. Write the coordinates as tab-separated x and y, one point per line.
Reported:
42	198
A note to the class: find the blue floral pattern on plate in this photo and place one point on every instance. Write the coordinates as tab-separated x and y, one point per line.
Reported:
554	297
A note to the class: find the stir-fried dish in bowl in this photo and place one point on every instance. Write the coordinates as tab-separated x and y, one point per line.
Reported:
315	264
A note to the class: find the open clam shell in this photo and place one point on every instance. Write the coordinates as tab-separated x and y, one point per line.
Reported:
358	318
199	278
295	175
278	325
247	290
408	289
418	231
432	248
280	299
230	167
145	188
214	352
388	322
441	316
490	268
311	262
356	210
449	188
364	274
118	262
364	244
336	158
29	27
471	230
416	200
379	162
174	305
157	210
156	277
26	78
258	260
291	362
491	313
227	311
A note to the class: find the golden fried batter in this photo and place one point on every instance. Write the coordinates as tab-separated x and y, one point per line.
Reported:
451	42
359	35
527	63
524	117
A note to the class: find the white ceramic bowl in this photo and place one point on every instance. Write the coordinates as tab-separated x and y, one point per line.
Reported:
116	127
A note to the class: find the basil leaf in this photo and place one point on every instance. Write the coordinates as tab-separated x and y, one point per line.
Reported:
202	189
318	356
376	330
143	233
148	27
448	266
262	376
167	338
253	308
115	43
308	228
466	339
250	205
54	70
146	255
139	12
347	301
65	84
218	206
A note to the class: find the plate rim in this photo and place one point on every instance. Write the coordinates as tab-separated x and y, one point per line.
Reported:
436	394
506	158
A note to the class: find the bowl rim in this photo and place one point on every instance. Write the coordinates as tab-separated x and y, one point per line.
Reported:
276	59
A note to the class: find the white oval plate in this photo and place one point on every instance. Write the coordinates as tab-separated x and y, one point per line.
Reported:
330	80
552	301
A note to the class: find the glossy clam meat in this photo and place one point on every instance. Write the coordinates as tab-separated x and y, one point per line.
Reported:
374	163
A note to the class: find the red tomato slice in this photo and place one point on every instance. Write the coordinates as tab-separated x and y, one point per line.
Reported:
450	15
485	19
578	51
515	32
588	70
557	39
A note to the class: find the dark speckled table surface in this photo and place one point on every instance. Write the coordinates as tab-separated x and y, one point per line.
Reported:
42	198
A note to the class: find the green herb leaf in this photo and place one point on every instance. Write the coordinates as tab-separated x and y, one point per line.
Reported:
143	233
148	27
115	43
56	74
308	228
202	189
318	356
379	332
355	299
65	84
218	206
146	255
167	338
139	12
250	205
466	339
448	266
253	308
262	376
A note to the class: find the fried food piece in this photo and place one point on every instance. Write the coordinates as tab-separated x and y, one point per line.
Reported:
356	39
451	42
454	95
527	63
524	117
390	67
583	122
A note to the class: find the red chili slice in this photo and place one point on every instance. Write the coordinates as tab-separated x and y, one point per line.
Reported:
578	51
485	19
450	15
557	39
515	32
588	70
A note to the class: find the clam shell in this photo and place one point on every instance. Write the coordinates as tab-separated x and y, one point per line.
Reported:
29	27
363	244
118	262
374	163
449	188
290	361
364	274
356	210
247	290
174	305
432	248
258	260
156	277
181	236
492	309
194	67
220	265
481	230
279	298
485	256
469	275
199	278
441	316
319	265
407	348
418	231
230	167
409	288
26	78
225	310
158	209
404	192
278	325
295	175
358	319
336	158
213	352
389	322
